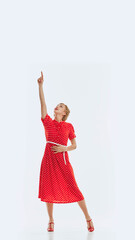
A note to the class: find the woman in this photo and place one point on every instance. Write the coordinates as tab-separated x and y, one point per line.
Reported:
57	182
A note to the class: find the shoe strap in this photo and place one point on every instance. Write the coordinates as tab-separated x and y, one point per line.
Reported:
89	220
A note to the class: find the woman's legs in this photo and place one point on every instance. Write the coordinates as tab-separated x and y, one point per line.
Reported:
50	213
83	206
50	210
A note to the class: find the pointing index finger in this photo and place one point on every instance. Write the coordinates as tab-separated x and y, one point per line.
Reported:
41	73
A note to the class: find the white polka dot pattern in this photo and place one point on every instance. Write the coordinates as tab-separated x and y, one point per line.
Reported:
57	183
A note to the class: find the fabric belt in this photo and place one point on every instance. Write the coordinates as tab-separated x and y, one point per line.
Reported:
60	145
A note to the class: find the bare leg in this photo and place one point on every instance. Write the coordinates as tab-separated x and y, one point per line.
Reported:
50	212
83	206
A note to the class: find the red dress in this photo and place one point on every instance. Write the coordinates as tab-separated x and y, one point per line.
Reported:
57	182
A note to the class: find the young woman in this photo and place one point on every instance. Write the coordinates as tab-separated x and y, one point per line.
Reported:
57	183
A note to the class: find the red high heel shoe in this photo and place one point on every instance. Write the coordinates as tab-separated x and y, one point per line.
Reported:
49	229
90	229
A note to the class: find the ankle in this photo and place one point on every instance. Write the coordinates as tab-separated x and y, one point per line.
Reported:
51	220
88	217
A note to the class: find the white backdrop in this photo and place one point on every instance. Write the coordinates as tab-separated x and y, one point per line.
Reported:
86	52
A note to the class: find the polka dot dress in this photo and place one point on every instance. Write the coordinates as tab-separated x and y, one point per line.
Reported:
57	182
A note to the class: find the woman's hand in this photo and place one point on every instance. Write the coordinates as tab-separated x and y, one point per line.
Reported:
41	79
57	149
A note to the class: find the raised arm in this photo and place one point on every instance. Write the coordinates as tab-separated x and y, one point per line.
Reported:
40	81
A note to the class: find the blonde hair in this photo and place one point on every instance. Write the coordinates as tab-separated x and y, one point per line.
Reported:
67	112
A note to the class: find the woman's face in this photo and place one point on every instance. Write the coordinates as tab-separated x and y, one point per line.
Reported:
60	109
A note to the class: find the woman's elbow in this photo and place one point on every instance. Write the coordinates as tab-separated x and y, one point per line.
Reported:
75	146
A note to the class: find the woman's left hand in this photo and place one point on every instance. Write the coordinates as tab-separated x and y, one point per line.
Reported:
57	149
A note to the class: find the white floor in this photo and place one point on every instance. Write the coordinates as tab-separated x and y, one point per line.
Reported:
68	235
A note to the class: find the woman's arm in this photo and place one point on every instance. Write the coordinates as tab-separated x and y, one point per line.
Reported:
73	145
63	148
41	96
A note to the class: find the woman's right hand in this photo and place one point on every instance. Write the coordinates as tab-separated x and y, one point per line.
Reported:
40	79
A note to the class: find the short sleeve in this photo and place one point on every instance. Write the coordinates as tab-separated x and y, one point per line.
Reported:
47	120
72	132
